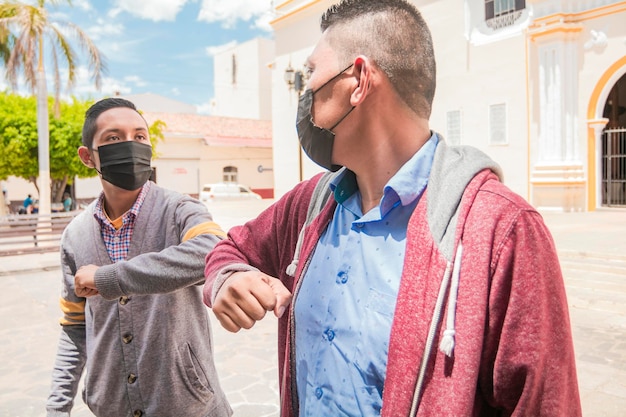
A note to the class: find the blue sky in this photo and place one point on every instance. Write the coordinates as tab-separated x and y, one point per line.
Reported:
161	46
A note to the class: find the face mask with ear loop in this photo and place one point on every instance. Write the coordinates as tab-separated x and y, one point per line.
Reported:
317	142
125	164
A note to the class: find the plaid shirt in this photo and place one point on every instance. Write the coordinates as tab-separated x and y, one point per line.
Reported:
117	241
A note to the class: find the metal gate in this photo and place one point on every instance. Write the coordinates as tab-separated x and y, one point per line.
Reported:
614	168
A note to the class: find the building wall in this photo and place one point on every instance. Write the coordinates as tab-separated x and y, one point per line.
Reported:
242	80
571	46
296	30
186	163
458	86
475	73
183	163
550	67
247	161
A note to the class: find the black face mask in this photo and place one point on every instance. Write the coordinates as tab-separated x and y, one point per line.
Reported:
316	141
125	164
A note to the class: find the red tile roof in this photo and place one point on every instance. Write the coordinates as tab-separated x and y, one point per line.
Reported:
215	130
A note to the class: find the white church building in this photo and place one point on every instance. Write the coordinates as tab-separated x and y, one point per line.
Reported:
539	85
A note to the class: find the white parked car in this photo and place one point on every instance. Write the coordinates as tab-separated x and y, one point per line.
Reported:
226	191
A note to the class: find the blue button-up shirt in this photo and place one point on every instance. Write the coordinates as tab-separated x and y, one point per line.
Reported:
346	302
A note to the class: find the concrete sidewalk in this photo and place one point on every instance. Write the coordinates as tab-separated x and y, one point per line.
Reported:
598	234
592	248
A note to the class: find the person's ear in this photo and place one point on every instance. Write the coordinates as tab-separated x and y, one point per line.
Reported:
85	157
363	74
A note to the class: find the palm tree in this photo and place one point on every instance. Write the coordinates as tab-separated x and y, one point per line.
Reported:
25	29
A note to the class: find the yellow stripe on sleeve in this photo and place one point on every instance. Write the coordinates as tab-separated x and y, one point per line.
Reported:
73	313
210	228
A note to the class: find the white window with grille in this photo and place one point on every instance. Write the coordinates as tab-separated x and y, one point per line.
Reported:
503	13
497	124
453	127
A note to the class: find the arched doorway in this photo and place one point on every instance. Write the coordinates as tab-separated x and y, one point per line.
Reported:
612	79
613	181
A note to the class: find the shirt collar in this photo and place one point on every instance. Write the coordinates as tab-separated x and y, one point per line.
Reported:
401	187
343	186
416	170
132	213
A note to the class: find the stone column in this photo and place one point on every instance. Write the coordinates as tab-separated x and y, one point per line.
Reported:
598	126
557	172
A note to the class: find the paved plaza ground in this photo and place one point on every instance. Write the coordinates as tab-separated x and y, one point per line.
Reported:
592	248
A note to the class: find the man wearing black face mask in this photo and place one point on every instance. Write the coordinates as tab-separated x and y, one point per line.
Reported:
132	310
422	286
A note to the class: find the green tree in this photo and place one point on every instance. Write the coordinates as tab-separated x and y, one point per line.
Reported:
18	141
27	31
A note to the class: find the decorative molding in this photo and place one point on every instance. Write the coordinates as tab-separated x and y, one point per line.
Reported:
558	29
598	40
570	22
597	124
576	11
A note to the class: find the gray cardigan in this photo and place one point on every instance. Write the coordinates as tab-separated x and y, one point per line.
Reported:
146	339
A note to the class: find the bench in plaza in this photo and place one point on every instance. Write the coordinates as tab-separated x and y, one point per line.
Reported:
32	233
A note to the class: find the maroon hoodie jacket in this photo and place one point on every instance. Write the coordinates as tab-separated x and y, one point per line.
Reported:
481	326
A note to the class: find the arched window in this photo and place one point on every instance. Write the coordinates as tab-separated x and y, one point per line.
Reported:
229	174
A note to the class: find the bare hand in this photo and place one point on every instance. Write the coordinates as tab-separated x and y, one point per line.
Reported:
84	281
245	297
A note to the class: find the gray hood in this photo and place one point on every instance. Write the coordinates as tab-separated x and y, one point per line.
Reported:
453	169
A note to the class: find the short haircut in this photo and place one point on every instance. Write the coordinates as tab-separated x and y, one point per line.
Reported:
395	36
91	116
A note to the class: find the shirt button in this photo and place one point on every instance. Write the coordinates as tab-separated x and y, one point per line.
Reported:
127	338
330	334
124	300
137	413
132	378
342	277
318	392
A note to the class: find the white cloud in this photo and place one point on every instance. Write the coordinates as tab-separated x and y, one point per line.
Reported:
136	80
63	13
112	87
82	4
103	30
4	85
175	91
214	50
229	12
155	10
205	108
84	87
125	52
